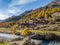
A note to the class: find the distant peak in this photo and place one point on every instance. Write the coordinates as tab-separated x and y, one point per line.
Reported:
55	0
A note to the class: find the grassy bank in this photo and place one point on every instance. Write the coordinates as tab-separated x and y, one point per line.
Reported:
33	31
5	43
44	32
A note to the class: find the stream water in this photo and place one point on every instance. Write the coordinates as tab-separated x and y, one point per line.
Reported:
51	43
4	36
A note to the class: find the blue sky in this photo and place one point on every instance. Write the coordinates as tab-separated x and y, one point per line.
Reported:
9	8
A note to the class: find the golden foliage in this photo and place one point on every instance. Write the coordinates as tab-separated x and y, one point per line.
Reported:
14	29
54	17
46	13
25	32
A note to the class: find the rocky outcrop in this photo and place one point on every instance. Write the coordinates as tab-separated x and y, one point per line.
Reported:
25	41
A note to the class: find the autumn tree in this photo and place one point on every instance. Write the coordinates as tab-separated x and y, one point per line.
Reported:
14	29
54	18
41	13
25	32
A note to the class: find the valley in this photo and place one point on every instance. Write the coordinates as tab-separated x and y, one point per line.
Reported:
40	26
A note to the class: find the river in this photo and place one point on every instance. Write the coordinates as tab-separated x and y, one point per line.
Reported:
4	36
50	43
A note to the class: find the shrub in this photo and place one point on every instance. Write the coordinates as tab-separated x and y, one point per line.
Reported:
14	29
25	32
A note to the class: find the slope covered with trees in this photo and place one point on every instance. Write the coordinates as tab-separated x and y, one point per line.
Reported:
33	19
43	12
38	14
16	18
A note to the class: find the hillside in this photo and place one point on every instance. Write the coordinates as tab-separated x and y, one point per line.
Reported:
42	12
40	18
1	20
45	13
16	18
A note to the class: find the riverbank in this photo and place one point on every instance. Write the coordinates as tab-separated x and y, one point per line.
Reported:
5	43
39	38
8	30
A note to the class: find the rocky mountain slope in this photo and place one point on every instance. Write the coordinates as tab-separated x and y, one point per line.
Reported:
42	12
43	18
1	20
54	3
16	18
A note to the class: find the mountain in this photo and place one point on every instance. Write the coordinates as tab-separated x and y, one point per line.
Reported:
54	3
16	18
1	20
45	12
42	12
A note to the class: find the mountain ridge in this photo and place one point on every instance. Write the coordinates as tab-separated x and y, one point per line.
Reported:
34	13
16	18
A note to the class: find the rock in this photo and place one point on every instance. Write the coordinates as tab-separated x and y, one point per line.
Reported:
24	41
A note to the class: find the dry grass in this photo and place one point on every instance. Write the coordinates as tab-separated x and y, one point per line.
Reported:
44	32
8	30
33	31
5	43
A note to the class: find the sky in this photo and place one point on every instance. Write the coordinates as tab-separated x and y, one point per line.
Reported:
10	8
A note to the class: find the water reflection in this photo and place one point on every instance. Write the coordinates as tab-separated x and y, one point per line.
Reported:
51	43
8	36
45	42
